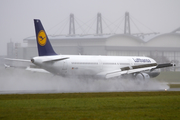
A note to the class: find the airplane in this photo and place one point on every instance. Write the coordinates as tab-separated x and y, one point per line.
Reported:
137	67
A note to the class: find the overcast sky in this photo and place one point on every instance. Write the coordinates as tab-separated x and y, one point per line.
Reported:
16	16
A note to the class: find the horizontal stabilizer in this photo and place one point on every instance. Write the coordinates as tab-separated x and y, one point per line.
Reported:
6	66
18	60
55	59
31	68
36	70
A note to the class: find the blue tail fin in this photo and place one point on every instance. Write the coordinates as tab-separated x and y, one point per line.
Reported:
43	43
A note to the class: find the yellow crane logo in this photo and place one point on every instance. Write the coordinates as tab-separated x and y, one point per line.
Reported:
42	38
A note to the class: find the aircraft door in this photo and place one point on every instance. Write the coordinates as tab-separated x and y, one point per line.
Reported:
65	66
130	62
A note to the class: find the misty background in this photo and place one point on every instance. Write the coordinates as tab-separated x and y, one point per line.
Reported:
17	15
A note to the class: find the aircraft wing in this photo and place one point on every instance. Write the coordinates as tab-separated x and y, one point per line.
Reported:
128	70
134	69
165	65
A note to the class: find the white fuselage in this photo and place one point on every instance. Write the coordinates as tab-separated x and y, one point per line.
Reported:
66	65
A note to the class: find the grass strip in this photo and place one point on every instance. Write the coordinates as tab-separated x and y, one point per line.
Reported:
91	106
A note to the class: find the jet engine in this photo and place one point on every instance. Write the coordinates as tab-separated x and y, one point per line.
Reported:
142	76
147	74
154	73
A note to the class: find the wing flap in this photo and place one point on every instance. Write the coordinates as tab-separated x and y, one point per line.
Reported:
139	70
113	74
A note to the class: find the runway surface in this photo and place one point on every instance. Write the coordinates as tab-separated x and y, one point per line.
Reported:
49	91
15	81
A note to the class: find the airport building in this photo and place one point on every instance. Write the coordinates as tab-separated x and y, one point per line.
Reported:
161	47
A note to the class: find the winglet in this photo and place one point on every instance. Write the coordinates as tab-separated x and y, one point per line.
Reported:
43	43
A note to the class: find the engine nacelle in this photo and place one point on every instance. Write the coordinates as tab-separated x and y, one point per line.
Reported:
154	73
142	76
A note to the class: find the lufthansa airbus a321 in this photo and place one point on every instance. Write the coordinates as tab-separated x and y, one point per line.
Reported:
84	65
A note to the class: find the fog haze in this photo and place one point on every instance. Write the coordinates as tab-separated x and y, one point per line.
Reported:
17	16
20	81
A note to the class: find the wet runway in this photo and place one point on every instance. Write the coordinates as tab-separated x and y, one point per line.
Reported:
15	81
46	92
